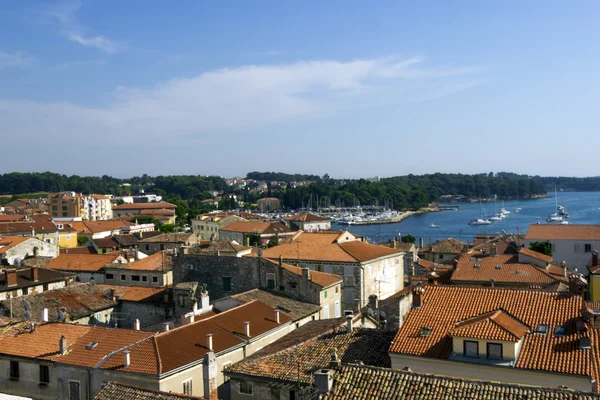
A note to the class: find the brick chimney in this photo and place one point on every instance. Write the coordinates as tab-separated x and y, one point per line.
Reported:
210	371
417	293
595	258
10	277
34	274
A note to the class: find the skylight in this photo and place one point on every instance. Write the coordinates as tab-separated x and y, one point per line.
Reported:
91	345
542	328
425	331
560	330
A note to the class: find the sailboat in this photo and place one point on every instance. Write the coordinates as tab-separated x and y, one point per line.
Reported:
482	220
555	217
497	216
503	210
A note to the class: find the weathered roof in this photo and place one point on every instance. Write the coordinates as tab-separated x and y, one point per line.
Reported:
86	227
160	261
145	206
82	262
322	279
299	360
449	245
360	382
309	217
563	232
119	391
135	293
25	277
179	237
257	227
493	325
535	254
77	301
444	306
221	247
107	242
294	308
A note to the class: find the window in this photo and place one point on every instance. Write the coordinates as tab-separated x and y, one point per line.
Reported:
440	257
44	375
293	395
60	226
425	331
14	370
577	248
135	278
144	278
226	283
338	310
560	330
123	277
245	388
25	290
325	294
68	237
110	276
541	329
64	208
293	285
337	289
494	351
588	248
54	208
326	311
74	390
162	247
99	317
471	348
147	247
155	279
270	281
187	387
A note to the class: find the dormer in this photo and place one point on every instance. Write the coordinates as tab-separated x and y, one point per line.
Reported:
494	337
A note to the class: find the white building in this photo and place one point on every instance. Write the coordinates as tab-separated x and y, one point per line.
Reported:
96	208
571	243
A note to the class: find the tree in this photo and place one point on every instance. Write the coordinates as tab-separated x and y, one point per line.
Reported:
273	241
542	247
167	228
408	239
82	240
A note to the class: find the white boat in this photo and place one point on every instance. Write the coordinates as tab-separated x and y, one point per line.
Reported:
518	209
497	217
564	222
432	225
480	221
556	217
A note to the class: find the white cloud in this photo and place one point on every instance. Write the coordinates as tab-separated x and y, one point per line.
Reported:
236	100
14	60
66	15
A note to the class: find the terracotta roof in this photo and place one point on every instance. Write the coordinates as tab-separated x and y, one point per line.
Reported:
449	245
308	217
145	206
505	244
299	360
79	250
98	226
294	308
25	277
135	293
322	279
356	382
8	242
563	232
257	227
160	261
537	255
328	246
77	301
12	217
179	237
27	227
82	262
107	242
161	211
119	391
483	268
493	325
222	247
443	306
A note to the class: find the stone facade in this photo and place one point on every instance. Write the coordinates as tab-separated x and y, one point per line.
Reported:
32	247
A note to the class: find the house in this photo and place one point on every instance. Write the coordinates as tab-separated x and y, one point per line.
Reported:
283	370
207	226
268	204
40	227
75	361
153	271
255	233
14	249
65	205
129	241
443	251
310	222
221	247
516	336
131	209
83	304
367	269
118	391
15	282
352	381
105	245
99	229
162	215
96	207
225	276
167	241
427	271
85	267
528	269
570	243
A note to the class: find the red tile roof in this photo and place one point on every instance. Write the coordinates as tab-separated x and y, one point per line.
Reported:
82	262
8	242
493	325
323	279
160	261
257	227
145	206
119	391
537	255
135	293
563	232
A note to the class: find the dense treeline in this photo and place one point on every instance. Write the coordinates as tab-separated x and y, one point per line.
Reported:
591	184
409	191
280	176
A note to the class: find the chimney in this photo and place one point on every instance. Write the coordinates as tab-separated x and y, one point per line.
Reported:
63	345
373	302
418	296
493	250
349	324
166	326
136	324
209	341
44	314
324	380
204	300
277	316
280	261
187	319
455	264
421	244
34	274
492	281
247	328
433	277
564	267
113	295
305	274
357	305
11	277
127	361
335	361
210	371
595	258
67	281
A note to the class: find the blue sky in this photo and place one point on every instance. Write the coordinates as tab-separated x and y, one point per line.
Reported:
349	88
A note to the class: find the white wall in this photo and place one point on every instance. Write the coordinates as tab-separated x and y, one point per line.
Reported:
571	251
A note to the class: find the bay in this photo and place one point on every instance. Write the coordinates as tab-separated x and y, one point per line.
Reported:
583	208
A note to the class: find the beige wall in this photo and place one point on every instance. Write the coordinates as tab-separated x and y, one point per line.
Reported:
28	383
164	279
332	302
466	370
509	349
31	289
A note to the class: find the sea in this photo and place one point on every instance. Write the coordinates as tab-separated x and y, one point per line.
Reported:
583	208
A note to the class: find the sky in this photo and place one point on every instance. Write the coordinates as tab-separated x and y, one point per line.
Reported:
348	88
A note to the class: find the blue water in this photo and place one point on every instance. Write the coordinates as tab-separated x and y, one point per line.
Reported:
583	208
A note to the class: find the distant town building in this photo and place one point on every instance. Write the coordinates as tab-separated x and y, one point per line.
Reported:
268	203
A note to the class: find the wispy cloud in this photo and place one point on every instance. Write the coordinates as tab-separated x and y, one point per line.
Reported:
14	60
235	100
65	14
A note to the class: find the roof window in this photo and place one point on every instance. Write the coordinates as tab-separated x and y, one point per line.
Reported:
498	266
584	343
425	331
541	329
476	266
560	330
91	345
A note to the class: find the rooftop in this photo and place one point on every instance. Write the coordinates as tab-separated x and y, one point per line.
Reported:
119	391
82	262
179	237
134	293
25	277
160	261
294	308
449	245
146	206
563	232
257	227
537	255
494	325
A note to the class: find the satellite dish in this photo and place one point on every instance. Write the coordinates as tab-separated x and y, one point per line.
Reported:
60	316
370	312
25	305
17	261
381	314
26	315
